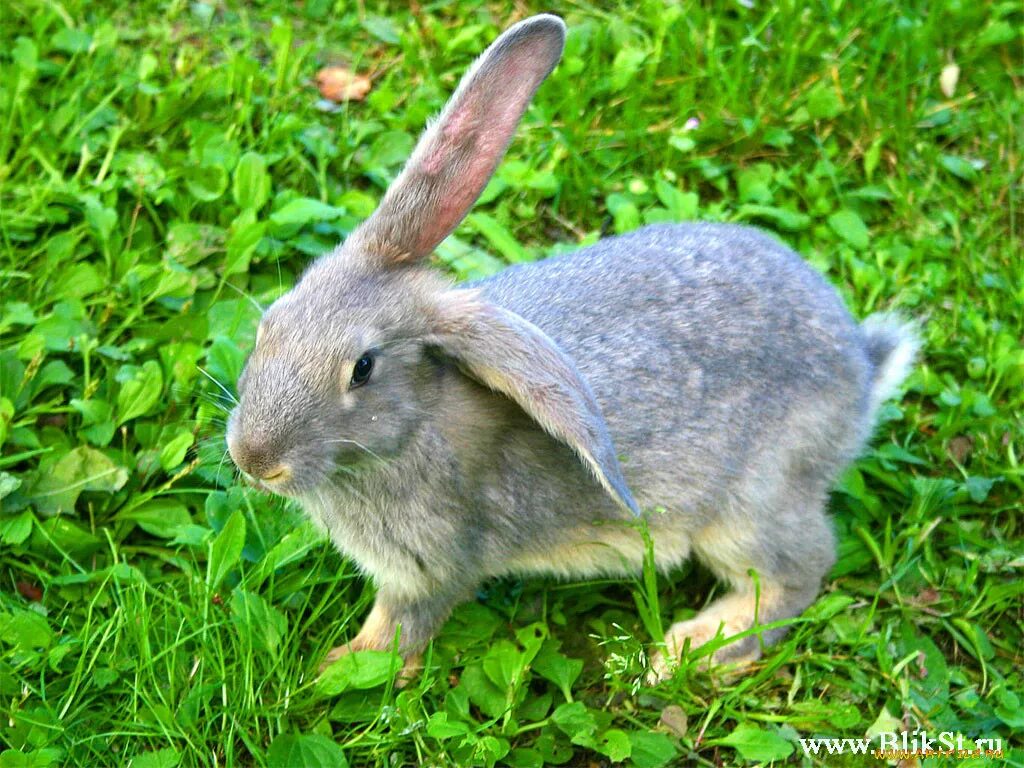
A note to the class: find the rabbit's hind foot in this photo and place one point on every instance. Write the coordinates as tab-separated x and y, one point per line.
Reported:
731	616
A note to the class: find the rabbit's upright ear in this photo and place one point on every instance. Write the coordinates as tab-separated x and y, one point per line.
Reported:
458	153
507	353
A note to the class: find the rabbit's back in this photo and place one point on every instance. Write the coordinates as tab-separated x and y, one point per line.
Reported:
708	347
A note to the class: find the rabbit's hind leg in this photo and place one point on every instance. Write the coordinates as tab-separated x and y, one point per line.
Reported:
788	578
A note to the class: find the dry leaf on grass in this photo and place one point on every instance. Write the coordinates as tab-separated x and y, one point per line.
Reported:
673	718
341	84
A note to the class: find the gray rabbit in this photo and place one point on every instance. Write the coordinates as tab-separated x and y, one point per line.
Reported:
446	434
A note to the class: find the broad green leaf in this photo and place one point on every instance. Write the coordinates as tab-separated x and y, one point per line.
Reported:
439	727
1010	710
55	372
15	530
25	55
978	488
843	716
503	663
251	186
777	137
524	757
560	670
755	184
849	226
261	621
613	743
140	393
292	547
358	203
241	245
382	28
997	32
302	211
92	411
651	750
499	238
625	67
553	749
884	723
624	211
57	485
63	535
126	574
173	453
928	677
168	757
234	318
101	220
226	549
71	40
8	484
483	692
189	243
894	452
387	150
755	743
63	326
34	758
823	102
220	505
206	183
224	363
163	517
959	167
531	638
82	279
829	605
575	721
358	670
681	205
305	751
25	629
490	749
783	218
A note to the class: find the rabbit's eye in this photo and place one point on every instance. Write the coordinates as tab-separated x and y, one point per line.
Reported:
362	370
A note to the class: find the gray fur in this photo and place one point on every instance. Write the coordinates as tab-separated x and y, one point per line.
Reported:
722	371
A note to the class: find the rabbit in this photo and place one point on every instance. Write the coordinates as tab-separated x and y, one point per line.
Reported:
701	375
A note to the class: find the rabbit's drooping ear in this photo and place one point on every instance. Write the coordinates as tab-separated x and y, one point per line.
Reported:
500	349
458	153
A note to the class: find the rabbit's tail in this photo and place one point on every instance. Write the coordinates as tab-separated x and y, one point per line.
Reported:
892	344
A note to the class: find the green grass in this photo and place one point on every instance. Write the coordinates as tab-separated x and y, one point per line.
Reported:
157	167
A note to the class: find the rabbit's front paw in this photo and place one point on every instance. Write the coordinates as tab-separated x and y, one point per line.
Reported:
692	635
379	633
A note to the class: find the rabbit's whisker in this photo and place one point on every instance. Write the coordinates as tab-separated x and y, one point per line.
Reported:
357	444
225	390
247	295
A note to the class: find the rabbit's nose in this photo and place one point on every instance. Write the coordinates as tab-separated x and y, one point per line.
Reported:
257	461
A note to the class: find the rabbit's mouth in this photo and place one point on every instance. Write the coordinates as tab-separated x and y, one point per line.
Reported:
260	485
276	482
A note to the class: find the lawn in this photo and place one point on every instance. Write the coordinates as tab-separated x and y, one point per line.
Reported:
166	169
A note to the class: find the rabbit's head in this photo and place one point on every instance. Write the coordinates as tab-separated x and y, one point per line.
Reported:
345	369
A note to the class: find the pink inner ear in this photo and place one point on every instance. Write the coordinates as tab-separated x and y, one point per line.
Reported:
452	133
469	145
456	157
